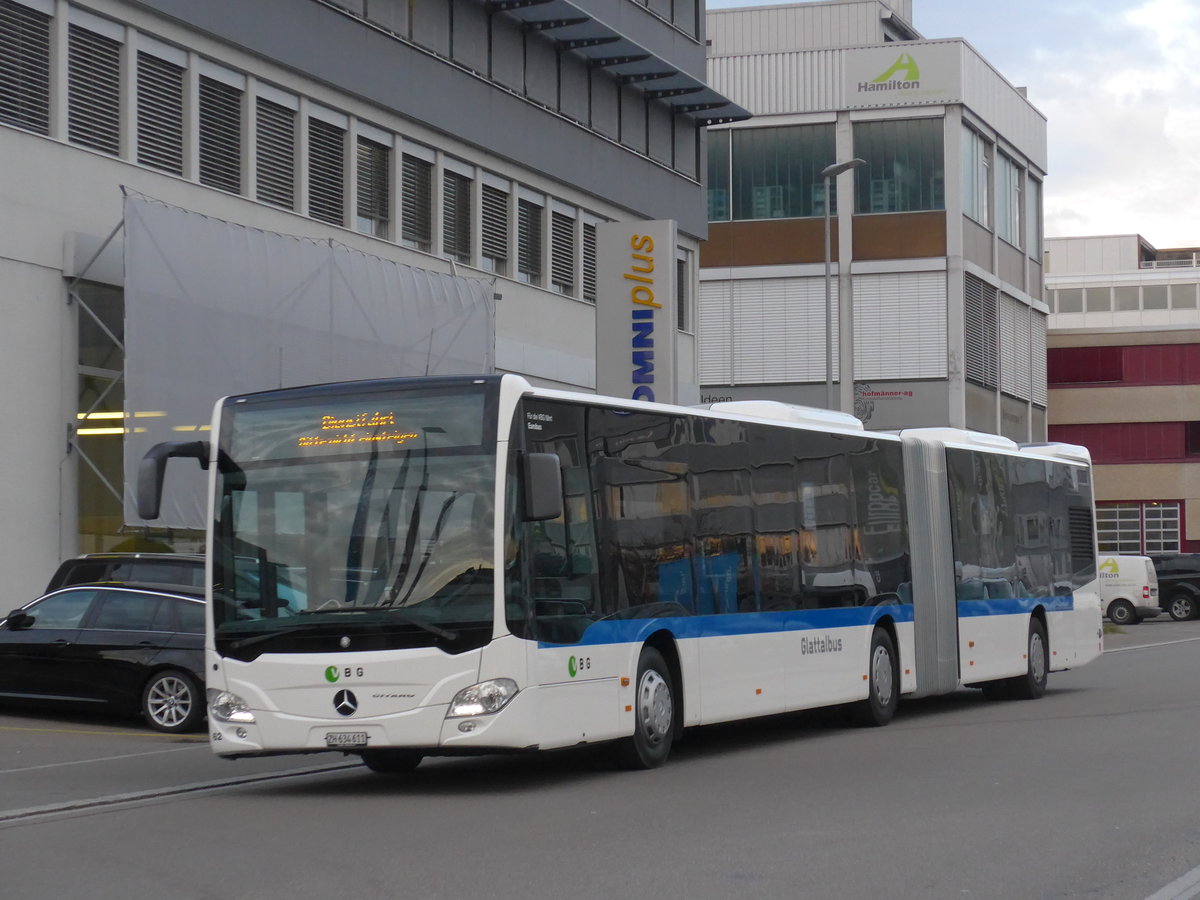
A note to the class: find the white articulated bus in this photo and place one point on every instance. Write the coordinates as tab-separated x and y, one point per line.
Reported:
440	566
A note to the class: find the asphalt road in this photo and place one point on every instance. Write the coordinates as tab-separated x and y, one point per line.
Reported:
1087	793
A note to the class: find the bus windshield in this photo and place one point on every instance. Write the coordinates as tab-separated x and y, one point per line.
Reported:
367	515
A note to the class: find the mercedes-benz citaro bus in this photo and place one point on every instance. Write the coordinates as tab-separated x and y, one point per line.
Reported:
458	565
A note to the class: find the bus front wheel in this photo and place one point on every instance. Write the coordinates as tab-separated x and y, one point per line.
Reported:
653	714
391	762
1032	684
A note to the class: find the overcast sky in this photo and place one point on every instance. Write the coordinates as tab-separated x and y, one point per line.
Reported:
1119	83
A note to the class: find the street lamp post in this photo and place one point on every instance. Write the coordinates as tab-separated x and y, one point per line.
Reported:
828	174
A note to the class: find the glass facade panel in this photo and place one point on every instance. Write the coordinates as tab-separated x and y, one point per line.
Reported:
776	172
975	152
905	167
1154	296
1183	296
1069	300
1008	200
718	176
1098	299
1125	297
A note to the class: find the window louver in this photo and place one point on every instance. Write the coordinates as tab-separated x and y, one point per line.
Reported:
374	185
326	172
275	154
24	67
979	331
529	241
93	90
589	262
495	228
456	216
220	135
562	252
160	114
416	202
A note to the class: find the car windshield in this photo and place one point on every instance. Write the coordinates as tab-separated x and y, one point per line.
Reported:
380	517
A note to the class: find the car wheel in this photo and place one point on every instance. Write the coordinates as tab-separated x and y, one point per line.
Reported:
883	682
391	762
1120	612
1032	684
653	714
1182	608
172	702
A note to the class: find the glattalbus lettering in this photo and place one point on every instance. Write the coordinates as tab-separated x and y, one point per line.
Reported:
641	296
824	644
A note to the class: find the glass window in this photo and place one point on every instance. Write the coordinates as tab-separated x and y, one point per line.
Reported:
777	171
65	610
275	153
160	114
326	171
121	611
905	167
220	135
416	203
456	216
1119	528
975	152
1125	298
1033	219
1069	300
190	616
1161	526
1098	299
1154	296
1008	200
683	280
718	176
374	187
1183	296
25	67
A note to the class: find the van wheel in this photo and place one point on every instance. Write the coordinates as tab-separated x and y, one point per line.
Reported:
1120	612
1182	608
653	715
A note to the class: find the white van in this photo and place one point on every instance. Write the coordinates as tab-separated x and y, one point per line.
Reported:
1128	589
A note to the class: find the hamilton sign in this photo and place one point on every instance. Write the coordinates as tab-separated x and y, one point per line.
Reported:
900	74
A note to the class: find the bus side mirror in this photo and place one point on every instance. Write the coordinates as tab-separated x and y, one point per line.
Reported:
541	474
153	467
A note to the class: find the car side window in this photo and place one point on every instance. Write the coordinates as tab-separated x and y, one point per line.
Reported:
126	611
191	616
65	610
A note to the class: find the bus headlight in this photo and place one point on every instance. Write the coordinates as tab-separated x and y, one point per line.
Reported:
482	699
227	707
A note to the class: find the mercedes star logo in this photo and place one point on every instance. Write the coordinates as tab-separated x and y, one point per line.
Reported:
345	703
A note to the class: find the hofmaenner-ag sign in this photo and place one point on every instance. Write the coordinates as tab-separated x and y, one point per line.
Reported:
899	74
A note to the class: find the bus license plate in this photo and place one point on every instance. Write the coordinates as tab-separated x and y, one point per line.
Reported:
345	739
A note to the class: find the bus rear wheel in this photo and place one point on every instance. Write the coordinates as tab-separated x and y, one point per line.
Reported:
1032	684
883	682
653	714
391	762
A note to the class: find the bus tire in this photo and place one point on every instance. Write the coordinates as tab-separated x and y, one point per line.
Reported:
653	714
1032	684
883	681
391	762
1121	612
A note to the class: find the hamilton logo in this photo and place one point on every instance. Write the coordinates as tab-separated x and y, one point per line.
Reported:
345	703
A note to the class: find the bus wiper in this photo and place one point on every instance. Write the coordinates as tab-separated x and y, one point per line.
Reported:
263	637
393	612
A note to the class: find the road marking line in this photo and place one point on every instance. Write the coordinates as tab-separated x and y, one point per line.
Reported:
8	817
153	734
77	762
1150	646
1181	888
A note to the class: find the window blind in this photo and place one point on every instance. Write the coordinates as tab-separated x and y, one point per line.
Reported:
275	154
416	202
93	90
326	172
220	135
24	67
160	114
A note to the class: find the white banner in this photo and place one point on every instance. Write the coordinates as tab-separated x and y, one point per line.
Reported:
901	74
213	309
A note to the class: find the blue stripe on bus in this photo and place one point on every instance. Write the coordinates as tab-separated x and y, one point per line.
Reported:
1009	606
625	631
